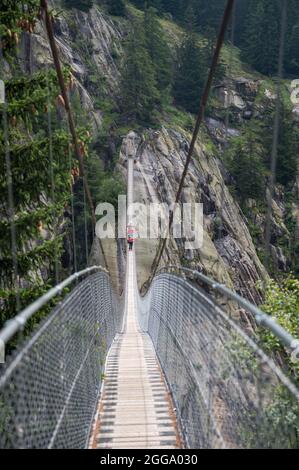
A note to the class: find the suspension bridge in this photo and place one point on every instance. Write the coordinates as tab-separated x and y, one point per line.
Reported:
169	369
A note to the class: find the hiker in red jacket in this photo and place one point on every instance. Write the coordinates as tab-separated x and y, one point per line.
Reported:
130	236
130	241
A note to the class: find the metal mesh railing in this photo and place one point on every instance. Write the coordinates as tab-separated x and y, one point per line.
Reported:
228	393
49	387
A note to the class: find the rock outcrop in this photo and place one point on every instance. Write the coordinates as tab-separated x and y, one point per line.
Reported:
228	253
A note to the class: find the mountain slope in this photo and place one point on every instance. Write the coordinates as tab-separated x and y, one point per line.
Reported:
92	45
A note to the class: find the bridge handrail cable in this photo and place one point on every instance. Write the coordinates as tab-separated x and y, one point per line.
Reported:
18	322
261	317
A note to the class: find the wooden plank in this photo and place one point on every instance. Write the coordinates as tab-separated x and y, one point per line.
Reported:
134	411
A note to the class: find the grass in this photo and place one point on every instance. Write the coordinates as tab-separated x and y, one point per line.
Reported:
173	32
131	9
230	56
177	118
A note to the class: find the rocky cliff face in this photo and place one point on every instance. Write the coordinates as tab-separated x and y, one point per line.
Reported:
90	44
249	98
228	253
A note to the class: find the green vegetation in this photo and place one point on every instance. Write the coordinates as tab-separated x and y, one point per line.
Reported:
148	84
249	155
288	149
257	29
36	213
192	65
263	33
246	166
147	70
158	50
138	82
175	117
282	303
14	20
275	425
189	79
116	7
278	424
84	5
259	33
42	169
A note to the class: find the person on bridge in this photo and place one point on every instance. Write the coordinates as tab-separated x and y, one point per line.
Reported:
130	242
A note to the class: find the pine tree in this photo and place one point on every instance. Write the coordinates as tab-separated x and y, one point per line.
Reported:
247	166
175	7
116	7
252	33
139	3
190	20
158	49
241	12
262	32
84	5
41	172
144	4
209	14
292	51
138	84
292	38
157	4
188	75
288	149
191	73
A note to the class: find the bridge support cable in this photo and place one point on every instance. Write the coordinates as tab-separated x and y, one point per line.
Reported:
200	116
261	318
51	170
10	192
55	54
271	187
228	393
50	384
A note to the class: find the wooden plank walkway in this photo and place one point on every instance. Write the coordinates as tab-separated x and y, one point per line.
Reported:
135	409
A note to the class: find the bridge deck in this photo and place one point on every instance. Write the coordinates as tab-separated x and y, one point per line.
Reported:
135	409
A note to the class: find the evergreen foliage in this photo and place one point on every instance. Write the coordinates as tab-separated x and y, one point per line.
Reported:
249	156
116	7
138	82
189	76
257	27
288	149
83	5
158	49
37	217
261	35
246	163
282	302
192	65
13	20
147	70
29	147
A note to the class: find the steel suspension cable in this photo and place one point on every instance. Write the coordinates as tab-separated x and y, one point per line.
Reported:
73	213
51	169
227	104
55	54
202	107
271	187
10	194
85	227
